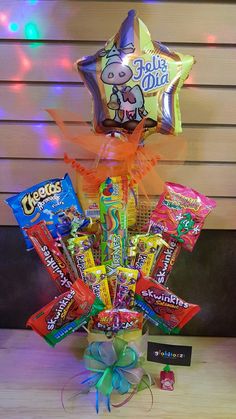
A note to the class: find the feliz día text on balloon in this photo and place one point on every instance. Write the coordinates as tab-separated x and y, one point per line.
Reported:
151	74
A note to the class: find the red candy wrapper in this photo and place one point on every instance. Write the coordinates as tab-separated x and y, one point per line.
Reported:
50	255
162	307
113	321
181	213
165	260
66	313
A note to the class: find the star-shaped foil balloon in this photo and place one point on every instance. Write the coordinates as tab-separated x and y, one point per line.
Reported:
133	77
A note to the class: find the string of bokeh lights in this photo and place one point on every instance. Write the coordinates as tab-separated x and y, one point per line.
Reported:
30	30
48	143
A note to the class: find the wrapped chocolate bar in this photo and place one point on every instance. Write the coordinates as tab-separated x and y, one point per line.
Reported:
53	201
49	253
113	213
66	313
148	248
96	279
126	279
162	307
80	249
181	213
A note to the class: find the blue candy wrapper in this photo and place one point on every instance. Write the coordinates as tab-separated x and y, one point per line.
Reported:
53	201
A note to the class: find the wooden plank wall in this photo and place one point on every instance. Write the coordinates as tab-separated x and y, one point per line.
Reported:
40	41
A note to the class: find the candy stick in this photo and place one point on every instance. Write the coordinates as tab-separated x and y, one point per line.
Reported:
67	255
85	328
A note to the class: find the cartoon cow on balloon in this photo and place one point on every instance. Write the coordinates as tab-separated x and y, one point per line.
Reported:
126	101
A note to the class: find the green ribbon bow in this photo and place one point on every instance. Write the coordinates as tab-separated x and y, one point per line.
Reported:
115	366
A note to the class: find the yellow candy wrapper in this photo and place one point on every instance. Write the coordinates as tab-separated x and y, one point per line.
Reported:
132	205
96	279
148	247
80	249
132	248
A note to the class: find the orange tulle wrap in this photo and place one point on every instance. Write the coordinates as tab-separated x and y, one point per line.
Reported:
115	156
120	155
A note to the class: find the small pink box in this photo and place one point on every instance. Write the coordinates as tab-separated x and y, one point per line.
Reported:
167	380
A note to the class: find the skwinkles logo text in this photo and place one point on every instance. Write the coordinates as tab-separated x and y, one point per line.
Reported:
56	265
58	315
39	197
169	354
166	261
170	299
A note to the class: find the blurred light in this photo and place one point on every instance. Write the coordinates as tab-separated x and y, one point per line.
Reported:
66	63
16	78
36	44
211	39
57	90
54	142
13	27
32	2
3	17
31	31
26	63
49	146
16	87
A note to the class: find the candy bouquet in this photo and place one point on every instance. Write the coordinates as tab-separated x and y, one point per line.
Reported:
111	288
111	271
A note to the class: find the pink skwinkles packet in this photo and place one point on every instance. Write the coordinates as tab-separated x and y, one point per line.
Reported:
181	213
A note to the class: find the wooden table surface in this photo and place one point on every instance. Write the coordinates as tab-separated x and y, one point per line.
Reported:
32	375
